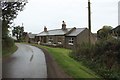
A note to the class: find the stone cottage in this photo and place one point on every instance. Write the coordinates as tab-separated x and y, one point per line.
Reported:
65	37
116	32
30	38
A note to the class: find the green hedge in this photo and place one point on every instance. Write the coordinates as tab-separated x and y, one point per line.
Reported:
8	46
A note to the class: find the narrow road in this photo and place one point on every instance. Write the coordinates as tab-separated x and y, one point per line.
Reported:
27	62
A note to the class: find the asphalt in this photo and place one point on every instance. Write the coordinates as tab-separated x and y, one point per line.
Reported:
27	62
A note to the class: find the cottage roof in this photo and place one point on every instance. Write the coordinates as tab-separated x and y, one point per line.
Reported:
54	32
30	35
117	29
76	31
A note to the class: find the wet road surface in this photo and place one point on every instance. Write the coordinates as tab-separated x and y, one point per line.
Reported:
27	62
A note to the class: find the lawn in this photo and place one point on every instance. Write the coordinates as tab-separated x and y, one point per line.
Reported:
68	64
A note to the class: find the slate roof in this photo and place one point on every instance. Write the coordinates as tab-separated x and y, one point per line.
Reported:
76	31
57	32
117	29
54	32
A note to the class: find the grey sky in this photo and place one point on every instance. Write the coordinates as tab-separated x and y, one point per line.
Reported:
119	13
51	13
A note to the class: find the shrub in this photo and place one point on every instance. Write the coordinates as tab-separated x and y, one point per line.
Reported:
84	50
7	44
103	57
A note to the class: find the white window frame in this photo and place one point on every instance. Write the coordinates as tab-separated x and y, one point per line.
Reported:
50	39
71	41
59	42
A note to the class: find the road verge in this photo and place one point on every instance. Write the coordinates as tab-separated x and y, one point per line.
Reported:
67	64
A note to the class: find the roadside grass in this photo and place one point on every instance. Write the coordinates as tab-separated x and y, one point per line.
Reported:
68	64
8	51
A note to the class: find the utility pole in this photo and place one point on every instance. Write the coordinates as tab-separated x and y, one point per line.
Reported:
89	20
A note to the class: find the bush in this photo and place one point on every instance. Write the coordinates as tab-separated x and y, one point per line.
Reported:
84	50
110	50
7	44
103	57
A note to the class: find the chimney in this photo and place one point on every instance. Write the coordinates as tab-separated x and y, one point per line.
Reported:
45	29
63	25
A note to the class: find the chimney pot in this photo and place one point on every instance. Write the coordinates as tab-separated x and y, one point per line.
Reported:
63	25
45	29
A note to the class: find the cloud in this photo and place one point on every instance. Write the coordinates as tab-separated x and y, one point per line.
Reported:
38	13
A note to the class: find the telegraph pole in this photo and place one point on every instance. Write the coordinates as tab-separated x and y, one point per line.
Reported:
89	20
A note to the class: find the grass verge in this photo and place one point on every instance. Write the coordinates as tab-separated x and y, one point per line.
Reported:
69	65
8	51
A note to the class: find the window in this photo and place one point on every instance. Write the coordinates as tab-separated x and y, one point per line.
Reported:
71	41
59	40
50	40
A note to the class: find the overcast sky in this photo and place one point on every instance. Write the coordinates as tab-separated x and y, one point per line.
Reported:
51	13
